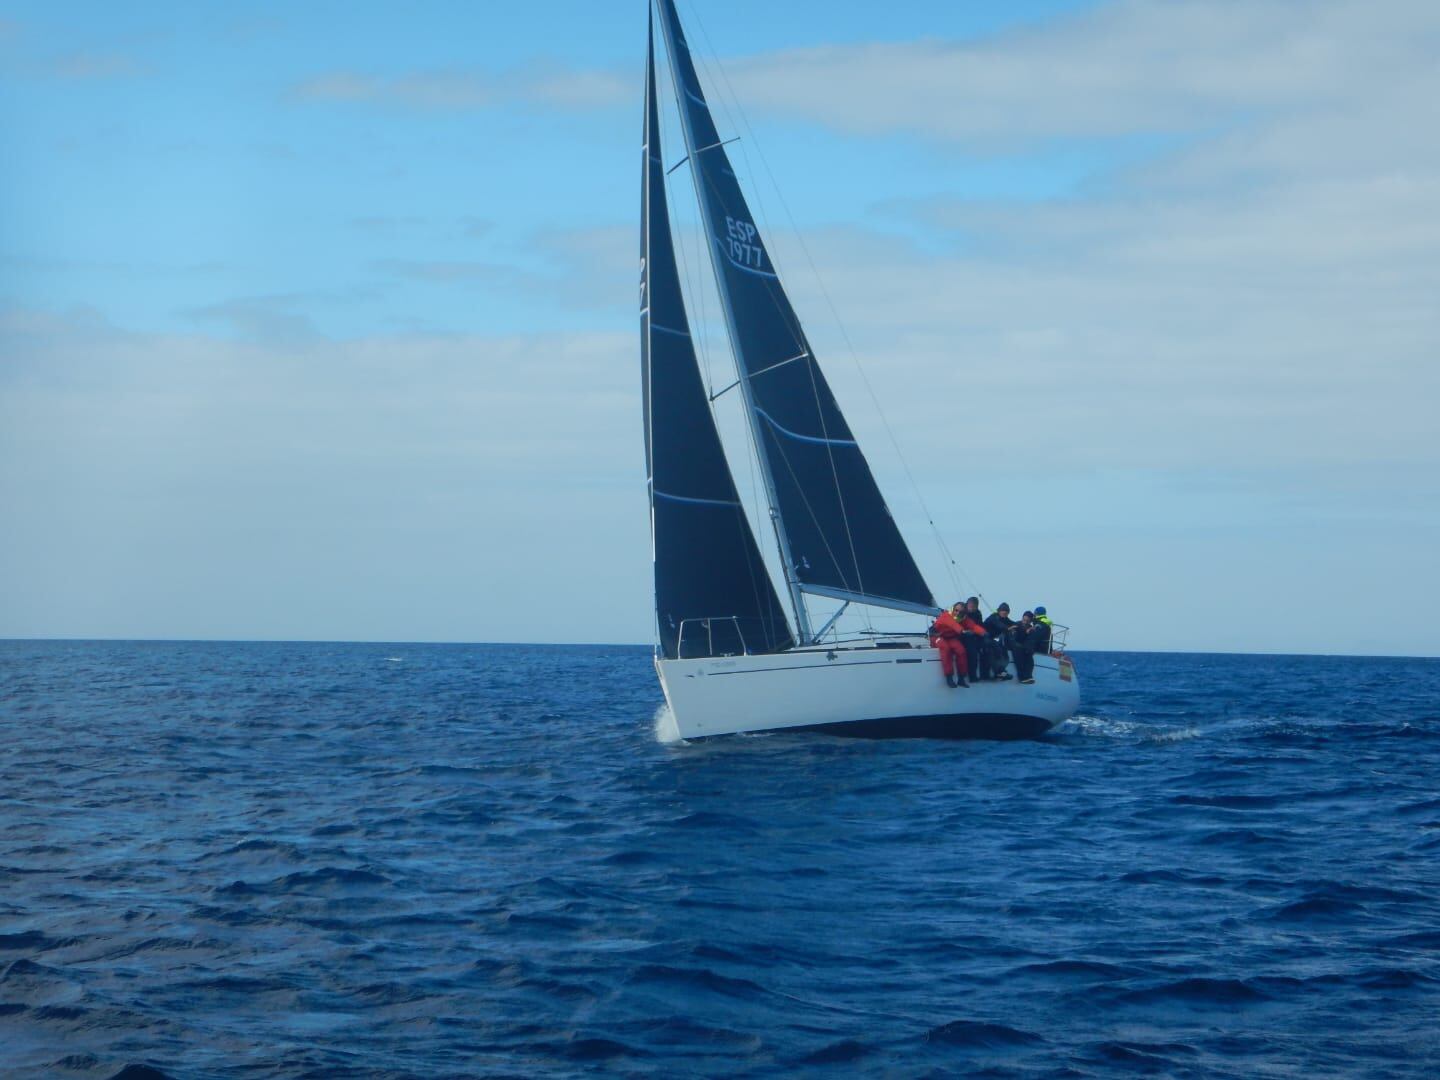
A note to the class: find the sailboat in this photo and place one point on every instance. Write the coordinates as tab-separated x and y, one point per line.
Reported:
730	657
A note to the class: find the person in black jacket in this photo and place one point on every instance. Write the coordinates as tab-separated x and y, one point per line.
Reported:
1022	647
996	653
973	641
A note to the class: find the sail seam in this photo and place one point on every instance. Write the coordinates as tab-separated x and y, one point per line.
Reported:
817	440
693	499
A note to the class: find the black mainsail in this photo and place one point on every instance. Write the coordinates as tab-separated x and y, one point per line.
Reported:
710	580
837	537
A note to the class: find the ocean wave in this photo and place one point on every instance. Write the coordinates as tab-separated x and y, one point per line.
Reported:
32	941
690	979
980	1034
1150	1057
1238	838
837	1053
1228	802
1082	970
1313	908
1200	990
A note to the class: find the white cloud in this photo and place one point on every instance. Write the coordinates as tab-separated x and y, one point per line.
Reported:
85	66
268	320
1120	68
1127	362
448	270
578	268
249	29
386	223
420	486
538	84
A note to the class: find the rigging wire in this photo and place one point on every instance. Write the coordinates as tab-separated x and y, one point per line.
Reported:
951	565
813	370
786	310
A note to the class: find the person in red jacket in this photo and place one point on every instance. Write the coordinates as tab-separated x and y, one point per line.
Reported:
947	635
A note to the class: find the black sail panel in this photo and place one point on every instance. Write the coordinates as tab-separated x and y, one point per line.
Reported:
842	539
710	580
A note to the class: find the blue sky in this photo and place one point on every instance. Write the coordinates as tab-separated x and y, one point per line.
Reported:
317	320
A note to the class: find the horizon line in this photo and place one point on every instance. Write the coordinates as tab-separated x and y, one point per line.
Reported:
621	645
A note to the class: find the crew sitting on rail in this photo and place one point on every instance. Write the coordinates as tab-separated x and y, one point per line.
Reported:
947	634
994	656
1022	647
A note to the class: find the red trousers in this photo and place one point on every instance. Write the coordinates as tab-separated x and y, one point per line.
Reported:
952	657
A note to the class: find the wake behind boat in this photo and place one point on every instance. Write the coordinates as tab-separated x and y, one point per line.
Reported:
727	655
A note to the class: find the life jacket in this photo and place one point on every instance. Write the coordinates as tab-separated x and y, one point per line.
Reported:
1044	619
945	626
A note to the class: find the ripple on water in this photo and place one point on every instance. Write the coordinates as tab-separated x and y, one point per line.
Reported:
981	1035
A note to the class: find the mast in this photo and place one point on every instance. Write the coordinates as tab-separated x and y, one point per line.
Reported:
674	41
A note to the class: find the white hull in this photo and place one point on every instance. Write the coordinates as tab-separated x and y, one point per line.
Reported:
861	690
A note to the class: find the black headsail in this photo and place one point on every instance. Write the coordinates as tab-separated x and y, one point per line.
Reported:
836	533
710	580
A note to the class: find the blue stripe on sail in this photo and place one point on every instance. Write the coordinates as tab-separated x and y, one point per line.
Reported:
693	501
695	97
805	438
668	329
742	266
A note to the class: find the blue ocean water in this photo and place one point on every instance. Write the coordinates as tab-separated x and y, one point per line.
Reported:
412	860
